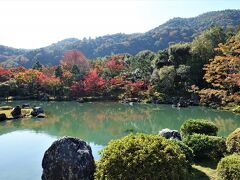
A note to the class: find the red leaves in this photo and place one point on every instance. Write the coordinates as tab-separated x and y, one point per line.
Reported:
48	81
31	76
116	63
92	84
34	81
77	88
223	72
18	69
116	81
75	57
48	70
135	87
28	76
5	75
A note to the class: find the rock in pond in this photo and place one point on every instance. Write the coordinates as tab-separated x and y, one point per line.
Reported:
80	100
68	158
16	113
170	134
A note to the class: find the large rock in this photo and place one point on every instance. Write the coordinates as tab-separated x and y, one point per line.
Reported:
16	112
68	159
170	134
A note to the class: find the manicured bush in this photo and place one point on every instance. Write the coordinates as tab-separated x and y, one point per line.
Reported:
206	147
229	168
186	150
233	141
142	156
198	126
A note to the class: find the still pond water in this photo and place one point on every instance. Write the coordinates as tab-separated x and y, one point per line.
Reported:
23	142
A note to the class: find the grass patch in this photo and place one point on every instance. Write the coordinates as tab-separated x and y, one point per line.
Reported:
204	171
7	112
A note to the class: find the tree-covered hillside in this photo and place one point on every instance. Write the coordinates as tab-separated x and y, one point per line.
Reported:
174	31
206	69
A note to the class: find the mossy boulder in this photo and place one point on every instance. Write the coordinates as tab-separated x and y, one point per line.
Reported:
68	158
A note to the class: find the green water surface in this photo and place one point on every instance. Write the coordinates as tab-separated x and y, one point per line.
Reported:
24	141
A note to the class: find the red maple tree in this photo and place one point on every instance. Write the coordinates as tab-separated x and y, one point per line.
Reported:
75	57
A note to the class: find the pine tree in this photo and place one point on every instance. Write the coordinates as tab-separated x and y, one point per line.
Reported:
75	70
59	72
37	66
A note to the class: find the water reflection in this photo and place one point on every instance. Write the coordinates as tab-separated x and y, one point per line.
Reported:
101	122
24	141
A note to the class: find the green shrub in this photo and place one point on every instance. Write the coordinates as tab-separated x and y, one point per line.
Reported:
142	156
233	141
199	126
229	167
186	150
206	147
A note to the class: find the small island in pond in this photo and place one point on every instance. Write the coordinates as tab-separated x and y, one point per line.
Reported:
8	112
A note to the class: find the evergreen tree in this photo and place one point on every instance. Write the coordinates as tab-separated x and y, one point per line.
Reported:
75	70
37	66
202	49
59	71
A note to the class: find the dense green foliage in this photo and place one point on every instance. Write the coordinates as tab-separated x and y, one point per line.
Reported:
206	147
142	156
140	65
200	126
186	150
229	168
200	136
202	49
174	31
233	141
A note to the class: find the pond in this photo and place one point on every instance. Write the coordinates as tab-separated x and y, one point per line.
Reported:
24	141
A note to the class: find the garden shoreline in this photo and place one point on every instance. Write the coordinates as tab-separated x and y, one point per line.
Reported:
234	109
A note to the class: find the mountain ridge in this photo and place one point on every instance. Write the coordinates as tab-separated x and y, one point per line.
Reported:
173	31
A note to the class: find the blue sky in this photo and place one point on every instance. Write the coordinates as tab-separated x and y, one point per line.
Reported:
37	23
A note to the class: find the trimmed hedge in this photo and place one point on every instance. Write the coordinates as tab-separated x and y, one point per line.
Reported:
206	147
233	141
186	150
142	156
229	167
198	126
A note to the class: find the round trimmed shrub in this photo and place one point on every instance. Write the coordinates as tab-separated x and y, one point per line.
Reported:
142	156
198	126
233	141
206	147
186	150
229	167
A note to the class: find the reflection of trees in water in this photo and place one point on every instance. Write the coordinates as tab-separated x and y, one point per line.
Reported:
101	122
226	125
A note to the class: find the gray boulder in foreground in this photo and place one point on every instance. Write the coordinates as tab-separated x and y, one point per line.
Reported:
68	159
170	134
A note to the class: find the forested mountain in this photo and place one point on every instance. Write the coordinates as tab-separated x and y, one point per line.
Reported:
173	31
